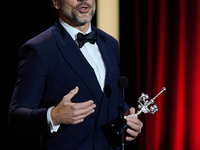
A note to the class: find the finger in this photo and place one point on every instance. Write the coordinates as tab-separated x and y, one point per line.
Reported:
134	126
71	94
132	133
84	111
83	105
129	139
135	121
132	110
83	116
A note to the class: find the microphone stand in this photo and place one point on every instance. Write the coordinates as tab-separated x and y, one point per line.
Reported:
123	84
123	123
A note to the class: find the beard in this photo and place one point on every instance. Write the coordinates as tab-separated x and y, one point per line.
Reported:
73	15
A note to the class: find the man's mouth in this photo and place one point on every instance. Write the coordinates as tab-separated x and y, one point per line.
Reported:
83	9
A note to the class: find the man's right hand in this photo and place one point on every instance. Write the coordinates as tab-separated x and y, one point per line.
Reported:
67	112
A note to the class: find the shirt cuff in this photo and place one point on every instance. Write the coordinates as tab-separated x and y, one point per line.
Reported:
50	122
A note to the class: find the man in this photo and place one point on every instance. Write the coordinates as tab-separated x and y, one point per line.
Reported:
67	88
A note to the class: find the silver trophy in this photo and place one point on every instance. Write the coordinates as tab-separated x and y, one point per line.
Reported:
146	106
116	129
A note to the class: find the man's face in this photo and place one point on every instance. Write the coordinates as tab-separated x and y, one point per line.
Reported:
79	12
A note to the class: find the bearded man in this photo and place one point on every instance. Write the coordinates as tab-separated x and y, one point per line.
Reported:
66	88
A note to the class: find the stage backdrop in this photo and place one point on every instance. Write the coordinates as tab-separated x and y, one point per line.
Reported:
160	46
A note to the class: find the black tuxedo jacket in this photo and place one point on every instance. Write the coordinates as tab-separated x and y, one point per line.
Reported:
51	65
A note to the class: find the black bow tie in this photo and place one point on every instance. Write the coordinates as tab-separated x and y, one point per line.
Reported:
82	39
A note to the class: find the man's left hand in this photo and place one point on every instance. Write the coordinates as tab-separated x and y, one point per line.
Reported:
135	125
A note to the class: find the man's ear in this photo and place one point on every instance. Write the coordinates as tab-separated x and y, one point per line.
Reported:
56	4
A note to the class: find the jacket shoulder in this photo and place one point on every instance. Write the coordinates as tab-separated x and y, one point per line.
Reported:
42	38
42	42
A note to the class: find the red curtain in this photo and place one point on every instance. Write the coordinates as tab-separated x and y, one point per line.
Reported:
170	29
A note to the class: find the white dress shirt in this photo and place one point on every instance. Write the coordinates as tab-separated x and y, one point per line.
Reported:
93	56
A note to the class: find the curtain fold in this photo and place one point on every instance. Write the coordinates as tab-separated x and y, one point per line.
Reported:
165	52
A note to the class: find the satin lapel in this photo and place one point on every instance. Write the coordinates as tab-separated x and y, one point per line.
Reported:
104	47
77	61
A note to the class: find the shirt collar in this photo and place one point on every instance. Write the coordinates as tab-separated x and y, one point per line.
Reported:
73	31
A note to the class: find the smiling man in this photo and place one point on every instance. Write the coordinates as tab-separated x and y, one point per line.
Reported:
66	88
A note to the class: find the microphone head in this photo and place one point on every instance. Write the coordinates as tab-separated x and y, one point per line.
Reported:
123	82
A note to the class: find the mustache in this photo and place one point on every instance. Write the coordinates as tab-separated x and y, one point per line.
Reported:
82	4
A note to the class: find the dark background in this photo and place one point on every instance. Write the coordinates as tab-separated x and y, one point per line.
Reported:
20	21
159	46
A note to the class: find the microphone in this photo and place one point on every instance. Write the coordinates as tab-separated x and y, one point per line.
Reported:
123	84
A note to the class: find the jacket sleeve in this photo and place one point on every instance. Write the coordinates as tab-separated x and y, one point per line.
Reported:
25	114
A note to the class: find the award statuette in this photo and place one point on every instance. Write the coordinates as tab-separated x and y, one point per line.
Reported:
144	104
116	126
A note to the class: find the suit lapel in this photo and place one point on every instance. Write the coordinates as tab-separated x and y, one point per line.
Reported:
104	47
77	61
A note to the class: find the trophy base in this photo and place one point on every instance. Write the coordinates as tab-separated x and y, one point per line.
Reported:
113	131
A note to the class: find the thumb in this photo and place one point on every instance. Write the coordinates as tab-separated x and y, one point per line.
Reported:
71	94
132	110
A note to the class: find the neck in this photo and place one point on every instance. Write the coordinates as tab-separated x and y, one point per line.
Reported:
83	28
